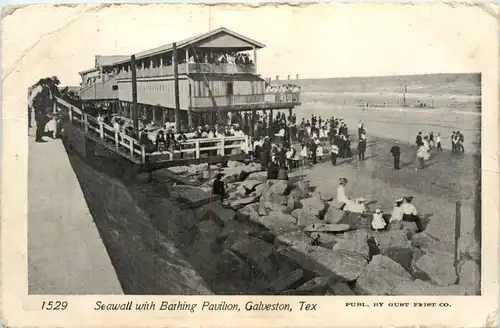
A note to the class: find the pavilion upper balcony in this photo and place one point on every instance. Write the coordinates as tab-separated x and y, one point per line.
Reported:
190	68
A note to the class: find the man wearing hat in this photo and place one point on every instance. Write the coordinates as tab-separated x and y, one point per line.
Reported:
410	213
396	153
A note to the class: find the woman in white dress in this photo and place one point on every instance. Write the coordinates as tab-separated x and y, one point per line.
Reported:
397	211
378	222
319	152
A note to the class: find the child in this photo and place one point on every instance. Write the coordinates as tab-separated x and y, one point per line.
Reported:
378	222
319	151
334	154
304	154
289	155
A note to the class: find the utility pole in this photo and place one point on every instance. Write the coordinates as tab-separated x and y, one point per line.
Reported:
135	116
176	88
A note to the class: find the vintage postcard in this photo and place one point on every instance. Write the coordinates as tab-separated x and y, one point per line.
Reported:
305	165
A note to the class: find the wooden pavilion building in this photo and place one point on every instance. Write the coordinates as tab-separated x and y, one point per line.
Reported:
187	81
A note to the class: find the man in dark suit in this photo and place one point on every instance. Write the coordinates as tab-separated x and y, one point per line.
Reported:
396	153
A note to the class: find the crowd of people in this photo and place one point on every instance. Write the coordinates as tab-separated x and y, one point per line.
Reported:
282	88
221	58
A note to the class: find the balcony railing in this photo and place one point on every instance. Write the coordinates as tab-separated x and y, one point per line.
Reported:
222	68
190	68
229	100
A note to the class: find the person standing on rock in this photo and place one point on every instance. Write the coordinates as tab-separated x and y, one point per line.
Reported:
410	213
396	154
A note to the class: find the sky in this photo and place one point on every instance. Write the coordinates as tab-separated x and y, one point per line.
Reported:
314	41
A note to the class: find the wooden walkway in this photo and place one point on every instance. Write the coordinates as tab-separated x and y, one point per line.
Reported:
65	252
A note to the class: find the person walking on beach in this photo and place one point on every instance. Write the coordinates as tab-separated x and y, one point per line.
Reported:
418	140
362	147
421	155
410	213
460	143
396	154
431	140
454	142
438	142
334	153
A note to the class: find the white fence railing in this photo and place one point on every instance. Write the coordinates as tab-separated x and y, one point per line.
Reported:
134	150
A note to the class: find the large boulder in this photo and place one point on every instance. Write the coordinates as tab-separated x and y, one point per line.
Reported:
334	214
232	265
180	170
192	196
233	164
260	189
215	211
355	241
246	211
436	267
273	195
326	227
423	288
251	183
316	286
303	186
255	251
305	218
313	205
290	205
268	207
285	281
325	239
278	187
298	195
293	238
356	220
470	277
341	289
428	243
277	224
339	265
235	227
261	176
237	204
382	276
396	245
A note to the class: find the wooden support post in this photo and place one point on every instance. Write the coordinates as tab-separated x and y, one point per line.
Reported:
197	154
143	154
117	140
270	125
135	115
101	130
163	116
70	113
176	87
458	223
222	144
254	116
154	115
131	149
85	123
